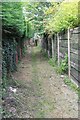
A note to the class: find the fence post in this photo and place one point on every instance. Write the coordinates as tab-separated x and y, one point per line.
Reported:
58	48
68	53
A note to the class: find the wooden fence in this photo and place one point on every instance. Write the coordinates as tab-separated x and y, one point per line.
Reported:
74	53
67	42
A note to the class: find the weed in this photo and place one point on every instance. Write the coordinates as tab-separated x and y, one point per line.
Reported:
63	67
52	62
73	86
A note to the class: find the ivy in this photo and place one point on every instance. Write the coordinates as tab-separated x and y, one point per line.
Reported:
13	29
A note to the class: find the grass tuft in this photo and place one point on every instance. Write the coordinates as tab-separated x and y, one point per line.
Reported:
73	86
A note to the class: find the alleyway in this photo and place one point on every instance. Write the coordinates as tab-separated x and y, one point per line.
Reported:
42	93
30	86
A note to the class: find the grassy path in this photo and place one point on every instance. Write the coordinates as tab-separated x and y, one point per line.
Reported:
42	93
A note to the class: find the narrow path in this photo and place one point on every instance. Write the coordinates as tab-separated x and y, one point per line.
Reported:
42	93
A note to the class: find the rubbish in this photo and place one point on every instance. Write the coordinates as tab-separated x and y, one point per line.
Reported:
62	76
14	90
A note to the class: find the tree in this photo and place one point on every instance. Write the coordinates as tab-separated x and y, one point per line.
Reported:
66	16
35	12
13	34
12	16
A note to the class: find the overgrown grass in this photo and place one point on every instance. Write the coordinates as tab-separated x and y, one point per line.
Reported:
62	68
59	70
52	62
73	86
41	104
38	108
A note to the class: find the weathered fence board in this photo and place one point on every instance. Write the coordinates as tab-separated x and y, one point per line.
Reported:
74	54
74	73
74	36
67	42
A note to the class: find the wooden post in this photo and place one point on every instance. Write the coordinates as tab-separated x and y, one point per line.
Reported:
68	53
58	48
52	49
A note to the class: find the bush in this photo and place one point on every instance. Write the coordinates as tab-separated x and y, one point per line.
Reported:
52	62
64	64
63	67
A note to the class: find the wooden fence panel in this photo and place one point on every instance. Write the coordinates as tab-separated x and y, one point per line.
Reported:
74	36
74	41
63	45
55	47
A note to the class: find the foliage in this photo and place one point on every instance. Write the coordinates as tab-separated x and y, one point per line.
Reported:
54	16
29	30
52	62
8	59
63	67
64	64
12	16
13	28
66	16
35	12
73	86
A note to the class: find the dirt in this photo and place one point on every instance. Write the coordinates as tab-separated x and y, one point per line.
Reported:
42	93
